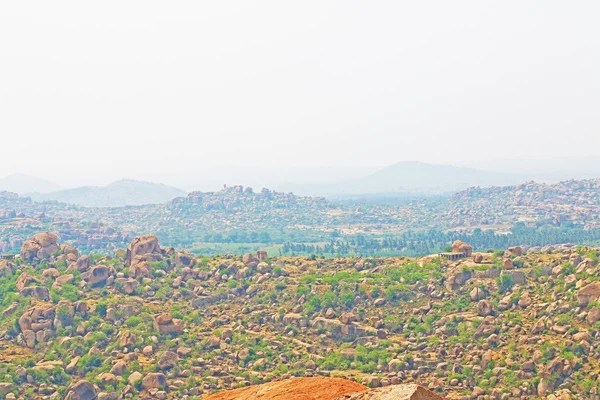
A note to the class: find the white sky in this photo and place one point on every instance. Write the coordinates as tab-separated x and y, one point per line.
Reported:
113	88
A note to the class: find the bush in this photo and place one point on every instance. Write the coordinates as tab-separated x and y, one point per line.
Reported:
505	283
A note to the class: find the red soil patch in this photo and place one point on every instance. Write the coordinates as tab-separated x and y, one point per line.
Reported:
294	389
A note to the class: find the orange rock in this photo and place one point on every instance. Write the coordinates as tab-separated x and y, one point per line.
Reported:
294	389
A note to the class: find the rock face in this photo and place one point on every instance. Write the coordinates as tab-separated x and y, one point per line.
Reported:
294	389
41	246
37	324
461	247
396	392
140	246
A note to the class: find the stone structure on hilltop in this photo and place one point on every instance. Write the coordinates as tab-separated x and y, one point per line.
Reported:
459	250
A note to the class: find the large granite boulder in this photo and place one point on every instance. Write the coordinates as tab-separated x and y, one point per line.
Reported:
41	246
81	390
140	246
461	247
165	324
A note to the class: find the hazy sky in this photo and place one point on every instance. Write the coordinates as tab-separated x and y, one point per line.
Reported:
126	88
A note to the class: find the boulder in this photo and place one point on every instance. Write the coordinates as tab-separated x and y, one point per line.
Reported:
168	360
394	392
154	380
516	250
40	315
37	292
478	294
134	378
127	339
140	269
81	390
50	273
129	285
141	245
164	324
250	261
593	315
82	264
478	258
184	259
293	389
41	246
507	263
45	239
96	274
525	300
25	280
589	293
6	388
484	308
7	268
461	247
347	318
66	250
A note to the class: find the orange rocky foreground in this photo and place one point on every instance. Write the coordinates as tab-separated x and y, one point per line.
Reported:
324	389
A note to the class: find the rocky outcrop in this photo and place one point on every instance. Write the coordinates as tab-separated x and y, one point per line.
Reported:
37	324
294	389
41	246
141	246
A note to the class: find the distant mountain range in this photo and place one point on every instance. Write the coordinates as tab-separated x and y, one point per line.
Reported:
23	184
124	192
410	177
395	184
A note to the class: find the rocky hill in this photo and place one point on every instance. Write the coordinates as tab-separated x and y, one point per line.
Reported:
125	192
413	177
24	184
528	214
577	202
153	322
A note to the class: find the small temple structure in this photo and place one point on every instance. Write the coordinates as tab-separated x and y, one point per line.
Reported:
459	250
